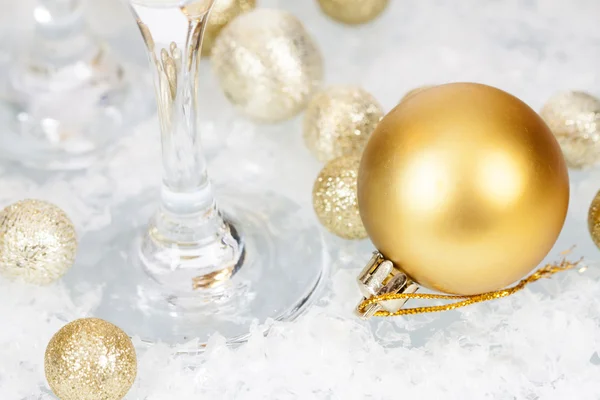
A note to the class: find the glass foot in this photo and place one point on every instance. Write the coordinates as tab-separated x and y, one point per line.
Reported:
283	262
67	118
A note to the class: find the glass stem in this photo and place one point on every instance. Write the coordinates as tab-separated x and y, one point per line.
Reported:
188	211
188	245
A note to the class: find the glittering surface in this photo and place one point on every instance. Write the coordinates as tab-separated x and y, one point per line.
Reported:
339	120
574	117
334	198
90	359
594	219
223	12
38	242
267	64
353	11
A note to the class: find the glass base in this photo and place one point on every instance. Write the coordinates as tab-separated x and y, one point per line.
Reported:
283	264
187	248
67	118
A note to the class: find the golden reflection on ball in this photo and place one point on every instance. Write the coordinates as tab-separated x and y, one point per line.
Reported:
464	188
414	91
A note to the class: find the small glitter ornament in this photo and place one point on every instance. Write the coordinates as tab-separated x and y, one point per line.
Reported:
594	220
334	198
90	359
353	11
38	242
574	118
222	13
339	120
267	64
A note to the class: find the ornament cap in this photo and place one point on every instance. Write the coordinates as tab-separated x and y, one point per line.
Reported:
380	276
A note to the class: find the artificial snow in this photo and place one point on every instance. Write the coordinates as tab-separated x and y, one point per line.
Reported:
542	343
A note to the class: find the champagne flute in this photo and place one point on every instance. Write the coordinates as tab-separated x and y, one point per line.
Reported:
66	98
195	270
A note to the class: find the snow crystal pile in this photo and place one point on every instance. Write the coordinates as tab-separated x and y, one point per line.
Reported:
543	343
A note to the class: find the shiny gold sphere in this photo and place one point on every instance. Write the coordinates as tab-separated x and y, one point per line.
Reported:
267	65
574	118
90	359
464	188
339	120
353	11
38	242
594	220
222	13
334	198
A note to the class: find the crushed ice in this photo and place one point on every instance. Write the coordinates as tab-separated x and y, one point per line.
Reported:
543	343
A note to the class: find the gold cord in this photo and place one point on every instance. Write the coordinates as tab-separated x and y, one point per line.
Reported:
543	272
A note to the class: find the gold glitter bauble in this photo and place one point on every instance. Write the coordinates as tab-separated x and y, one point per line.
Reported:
267	64
222	13
90	359
574	118
464	188
594	219
38	242
334	198
339	120
353	11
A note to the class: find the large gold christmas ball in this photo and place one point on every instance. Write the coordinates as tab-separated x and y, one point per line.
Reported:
574	118
222	13
90	359
339	120
353	11
463	187
267	64
334	198
38	242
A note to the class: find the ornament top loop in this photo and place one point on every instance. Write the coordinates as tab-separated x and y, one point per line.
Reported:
380	277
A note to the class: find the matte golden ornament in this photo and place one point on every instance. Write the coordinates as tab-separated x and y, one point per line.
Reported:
464	188
574	118
334	198
353	11
90	359
222	13
38	242
594	220
339	120
267	65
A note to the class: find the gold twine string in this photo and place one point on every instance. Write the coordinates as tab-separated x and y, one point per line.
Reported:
543	272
